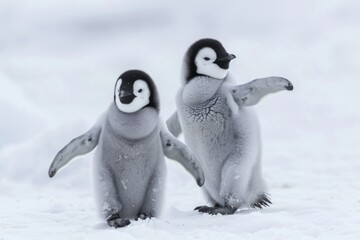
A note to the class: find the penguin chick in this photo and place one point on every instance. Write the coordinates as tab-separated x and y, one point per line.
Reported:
220	129
129	167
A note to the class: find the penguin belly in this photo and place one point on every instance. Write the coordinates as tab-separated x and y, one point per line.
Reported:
132	163
209	132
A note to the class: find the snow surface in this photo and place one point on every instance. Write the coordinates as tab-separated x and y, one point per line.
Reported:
59	61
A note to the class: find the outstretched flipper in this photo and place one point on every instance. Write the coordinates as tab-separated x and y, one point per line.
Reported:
178	151
251	93
78	146
173	124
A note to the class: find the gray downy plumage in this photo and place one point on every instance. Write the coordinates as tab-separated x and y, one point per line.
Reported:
129	167
221	130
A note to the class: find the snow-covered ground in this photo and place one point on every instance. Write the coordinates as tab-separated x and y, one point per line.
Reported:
58	64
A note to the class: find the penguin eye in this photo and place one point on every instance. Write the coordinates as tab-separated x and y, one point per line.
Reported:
140	90
206	58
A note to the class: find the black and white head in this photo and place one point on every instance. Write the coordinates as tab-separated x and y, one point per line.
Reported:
135	90
207	57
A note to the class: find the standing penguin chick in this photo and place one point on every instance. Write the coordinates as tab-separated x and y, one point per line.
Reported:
220	129
131	142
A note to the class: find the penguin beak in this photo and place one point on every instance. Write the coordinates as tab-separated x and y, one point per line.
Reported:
124	94
227	58
126	97
223	62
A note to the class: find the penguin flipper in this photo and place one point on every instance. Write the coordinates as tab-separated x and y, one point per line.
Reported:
251	93
178	151
173	124
78	146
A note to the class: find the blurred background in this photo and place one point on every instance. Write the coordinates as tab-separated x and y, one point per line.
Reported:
59	61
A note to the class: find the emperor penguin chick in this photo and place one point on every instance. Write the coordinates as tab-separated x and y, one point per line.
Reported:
220	129
131	140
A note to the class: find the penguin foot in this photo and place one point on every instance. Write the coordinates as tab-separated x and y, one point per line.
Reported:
115	221
143	216
227	210
217	209
262	201
203	209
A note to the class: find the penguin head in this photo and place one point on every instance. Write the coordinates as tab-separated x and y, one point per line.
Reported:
207	57
135	90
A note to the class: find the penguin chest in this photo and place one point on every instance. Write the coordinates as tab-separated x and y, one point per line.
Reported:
130	143
135	157
210	120
208	130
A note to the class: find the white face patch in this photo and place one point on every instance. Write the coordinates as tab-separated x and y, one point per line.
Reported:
204	62
142	97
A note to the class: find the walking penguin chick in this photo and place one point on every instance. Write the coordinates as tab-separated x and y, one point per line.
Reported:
220	129
129	166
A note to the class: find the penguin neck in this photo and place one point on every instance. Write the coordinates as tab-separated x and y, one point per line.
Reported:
200	89
135	125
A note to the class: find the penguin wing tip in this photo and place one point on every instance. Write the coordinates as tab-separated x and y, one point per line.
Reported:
52	173
200	181
289	86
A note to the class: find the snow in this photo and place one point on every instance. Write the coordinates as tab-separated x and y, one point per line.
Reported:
59	61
